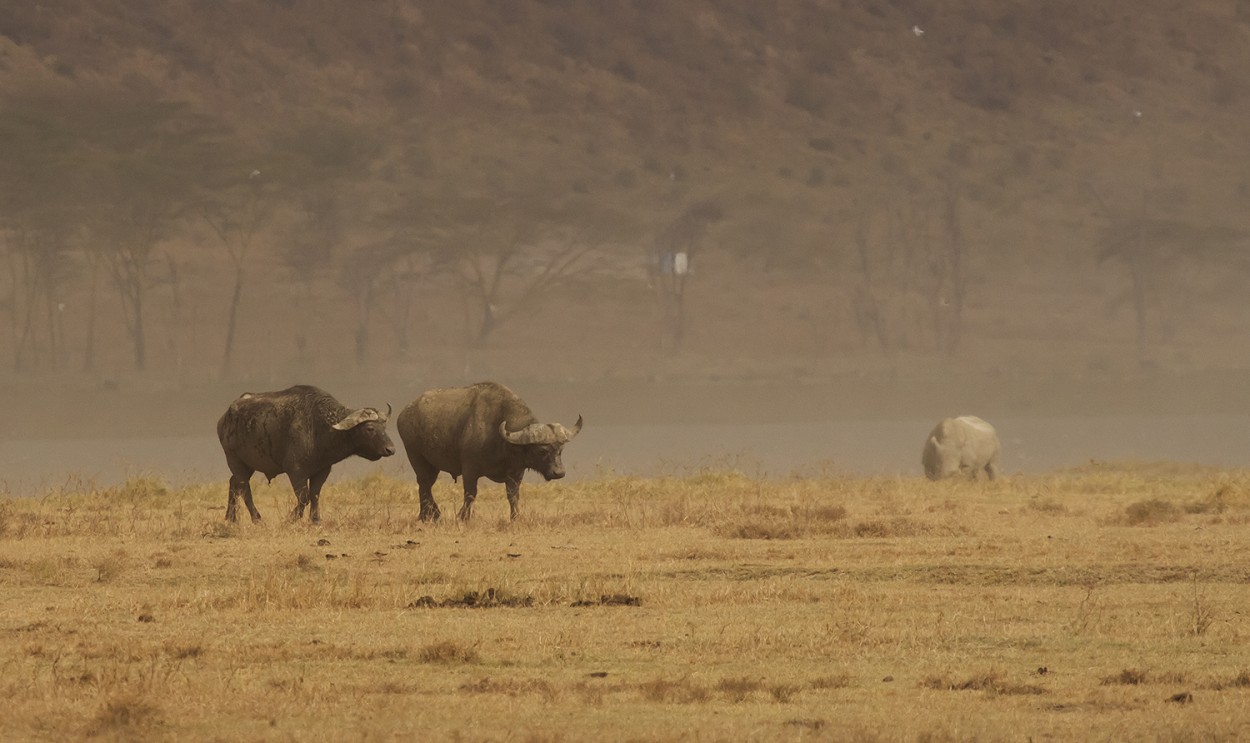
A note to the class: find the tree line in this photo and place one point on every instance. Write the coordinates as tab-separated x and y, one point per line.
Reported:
110	191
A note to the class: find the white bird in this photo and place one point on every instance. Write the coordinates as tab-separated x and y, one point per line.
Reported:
917	30
253	174
1136	114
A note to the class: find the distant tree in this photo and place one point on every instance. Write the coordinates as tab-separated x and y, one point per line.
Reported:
360	278
511	253
1151	247
308	253
236	211
149	159
912	275
671	266
316	164
41	206
947	269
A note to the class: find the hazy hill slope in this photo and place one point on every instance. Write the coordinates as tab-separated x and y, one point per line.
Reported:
796	116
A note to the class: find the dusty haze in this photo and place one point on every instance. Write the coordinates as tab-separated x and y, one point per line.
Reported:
887	215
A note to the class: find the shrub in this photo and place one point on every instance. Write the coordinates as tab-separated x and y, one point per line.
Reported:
1151	512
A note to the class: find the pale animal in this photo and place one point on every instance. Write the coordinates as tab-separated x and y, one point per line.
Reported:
965	445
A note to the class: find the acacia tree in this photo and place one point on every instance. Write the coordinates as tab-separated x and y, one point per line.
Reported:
236	213
510	254
308	253
911	266
152	158
1151	247
315	165
39	212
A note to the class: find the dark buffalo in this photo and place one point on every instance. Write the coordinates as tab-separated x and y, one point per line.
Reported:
302	431
480	431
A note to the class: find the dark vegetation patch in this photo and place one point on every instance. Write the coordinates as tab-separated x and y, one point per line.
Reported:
1225	497
614	599
124	718
838	681
511	687
1151	512
807	723
1239	681
998	575
738	689
777	522
491	598
679	691
899	526
772	522
1127	677
992	682
448	652
1047	506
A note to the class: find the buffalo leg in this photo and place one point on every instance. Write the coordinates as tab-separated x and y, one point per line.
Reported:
426	474
240	484
513	487
314	494
470	495
299	483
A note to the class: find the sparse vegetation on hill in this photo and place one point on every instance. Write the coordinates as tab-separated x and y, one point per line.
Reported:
907	177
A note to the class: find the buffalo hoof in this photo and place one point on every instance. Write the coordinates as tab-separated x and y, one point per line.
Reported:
429	515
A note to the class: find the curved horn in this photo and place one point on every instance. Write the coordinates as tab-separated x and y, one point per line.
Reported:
534	433
565	435
387	417
356	417
512	438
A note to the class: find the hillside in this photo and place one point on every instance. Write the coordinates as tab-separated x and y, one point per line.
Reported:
1055	188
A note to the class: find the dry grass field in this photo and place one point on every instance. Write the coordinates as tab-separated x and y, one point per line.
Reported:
1105	603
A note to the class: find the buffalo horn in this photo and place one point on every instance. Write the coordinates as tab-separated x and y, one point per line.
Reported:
563	434
534	433
356	417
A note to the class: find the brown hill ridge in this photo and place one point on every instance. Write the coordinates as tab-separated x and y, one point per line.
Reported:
1055	185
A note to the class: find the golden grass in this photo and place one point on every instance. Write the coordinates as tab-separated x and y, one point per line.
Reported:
1106	602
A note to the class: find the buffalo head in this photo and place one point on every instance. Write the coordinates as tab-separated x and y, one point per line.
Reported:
541	444
368	431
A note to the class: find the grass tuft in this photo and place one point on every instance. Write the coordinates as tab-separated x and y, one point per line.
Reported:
109	567
1151	512
1127	677
125	717
992	682
448	652
738	689
512	687
679	691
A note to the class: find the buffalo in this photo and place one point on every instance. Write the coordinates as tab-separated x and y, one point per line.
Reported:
484	430
965	445
302	431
